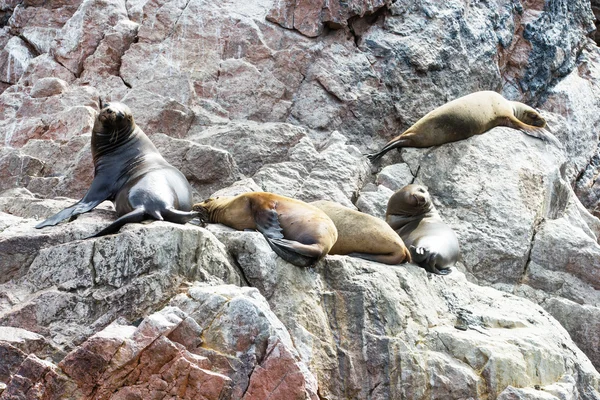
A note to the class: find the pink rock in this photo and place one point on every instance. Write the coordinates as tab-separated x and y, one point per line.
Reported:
122	362
45	66
81	35
310	16
14	59
47	87
280	377
39	379
158	114
86	364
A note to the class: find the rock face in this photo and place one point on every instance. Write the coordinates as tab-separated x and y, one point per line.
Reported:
286	96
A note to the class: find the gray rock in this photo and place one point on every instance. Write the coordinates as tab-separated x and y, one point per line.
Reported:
335	315
395	176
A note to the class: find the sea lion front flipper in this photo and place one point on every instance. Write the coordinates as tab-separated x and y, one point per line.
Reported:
78	208
419	254
543	134
427	260
136	215
267	223
299	254
96	194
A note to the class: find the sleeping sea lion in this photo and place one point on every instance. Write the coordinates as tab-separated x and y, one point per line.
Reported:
298	232
432	244
129	171
362	235
467	116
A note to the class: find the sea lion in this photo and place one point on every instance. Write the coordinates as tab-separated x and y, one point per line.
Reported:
362	235
129	171
298	232
467	116
432	244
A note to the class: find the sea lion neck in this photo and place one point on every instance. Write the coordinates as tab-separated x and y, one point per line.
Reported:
107	139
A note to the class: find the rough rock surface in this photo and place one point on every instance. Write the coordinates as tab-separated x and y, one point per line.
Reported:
285	96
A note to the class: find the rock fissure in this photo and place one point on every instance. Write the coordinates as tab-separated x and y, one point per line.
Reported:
536	226
172	32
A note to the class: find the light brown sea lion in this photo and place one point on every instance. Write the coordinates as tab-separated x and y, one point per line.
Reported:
129	171
432	244
298	232
467	116
362	235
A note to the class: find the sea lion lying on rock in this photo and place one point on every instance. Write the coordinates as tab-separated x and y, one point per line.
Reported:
129	171
362	235
298	232
432	244
467	116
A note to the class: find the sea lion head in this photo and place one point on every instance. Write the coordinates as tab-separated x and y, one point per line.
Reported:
410	200
528	115
210	207
114	119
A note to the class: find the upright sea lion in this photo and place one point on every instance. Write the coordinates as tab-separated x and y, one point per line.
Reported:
298	232
129	171
433	244
467	116
362	235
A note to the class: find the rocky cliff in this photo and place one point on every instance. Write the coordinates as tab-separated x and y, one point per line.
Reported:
285	96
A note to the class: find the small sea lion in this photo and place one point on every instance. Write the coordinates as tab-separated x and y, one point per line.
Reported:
433	244
467	116
362	235
298	232
129	171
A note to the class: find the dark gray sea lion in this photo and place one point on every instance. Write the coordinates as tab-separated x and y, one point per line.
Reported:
467	116
298	232
129	171
432	244
362	235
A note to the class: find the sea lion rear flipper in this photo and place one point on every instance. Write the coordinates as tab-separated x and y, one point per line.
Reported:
267	223
392	144
136	215
182	217
299	254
